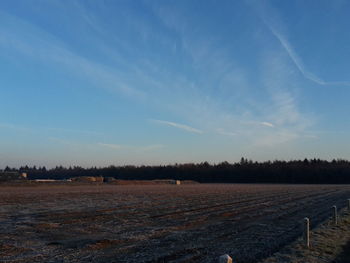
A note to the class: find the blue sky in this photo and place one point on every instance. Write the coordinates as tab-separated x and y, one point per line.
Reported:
156	82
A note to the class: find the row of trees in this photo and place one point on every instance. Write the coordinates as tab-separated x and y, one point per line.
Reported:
245	171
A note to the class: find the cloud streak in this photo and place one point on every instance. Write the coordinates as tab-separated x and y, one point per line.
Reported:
179	126
267	124
299	63
17	128
146	148
88	132
150	148
111	146
260	123
297	60
40	129
226	133
42	46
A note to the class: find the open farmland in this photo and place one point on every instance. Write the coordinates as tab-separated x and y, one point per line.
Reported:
157	223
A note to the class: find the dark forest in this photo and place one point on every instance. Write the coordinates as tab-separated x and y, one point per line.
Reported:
310	171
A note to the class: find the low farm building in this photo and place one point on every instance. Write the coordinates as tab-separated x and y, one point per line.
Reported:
167	181
96	179
12	176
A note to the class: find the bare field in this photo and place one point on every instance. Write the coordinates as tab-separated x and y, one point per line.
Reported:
157	223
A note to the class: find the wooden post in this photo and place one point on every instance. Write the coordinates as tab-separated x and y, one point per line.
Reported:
335	215
307	232
225	259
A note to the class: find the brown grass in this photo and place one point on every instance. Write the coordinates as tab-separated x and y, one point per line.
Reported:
329	243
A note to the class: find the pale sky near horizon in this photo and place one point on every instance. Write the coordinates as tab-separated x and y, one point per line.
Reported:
96	83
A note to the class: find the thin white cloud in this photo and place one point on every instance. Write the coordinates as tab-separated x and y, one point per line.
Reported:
7	126
285	110
75	131
226	133
16	127
286	122
190	98
179	126
150	148
43	46
63	141
268	124
311	136
260	123
110	145
276	138
131	148
299	63
39	129
297	60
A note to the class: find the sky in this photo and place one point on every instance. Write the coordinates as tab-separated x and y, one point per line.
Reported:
97	83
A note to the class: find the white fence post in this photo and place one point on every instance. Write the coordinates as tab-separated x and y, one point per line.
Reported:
225	259
307	232
335	219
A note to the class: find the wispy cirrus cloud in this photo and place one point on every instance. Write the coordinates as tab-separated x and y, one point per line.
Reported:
178	126
42	46
132	148
64	141
211	85
150	147
286	121
88	132
110	145
260	123
226	133
276	138
7	126
268	124
17	128
274	25
40	129
299	62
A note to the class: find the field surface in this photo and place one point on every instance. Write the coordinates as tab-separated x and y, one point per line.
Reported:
157	223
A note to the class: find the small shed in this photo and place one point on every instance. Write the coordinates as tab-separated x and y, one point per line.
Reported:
86	179
176	182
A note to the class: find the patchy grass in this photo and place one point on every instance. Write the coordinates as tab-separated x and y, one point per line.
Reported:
344	257
328	243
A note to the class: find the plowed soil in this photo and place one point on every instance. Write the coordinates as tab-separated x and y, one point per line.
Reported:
157	223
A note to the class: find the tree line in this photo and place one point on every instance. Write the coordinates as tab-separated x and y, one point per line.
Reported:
246	171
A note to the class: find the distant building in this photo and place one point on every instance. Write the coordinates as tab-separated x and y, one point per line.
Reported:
12	176
177	182
86	179
45	180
